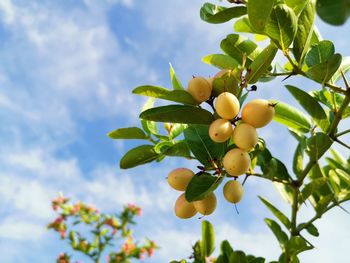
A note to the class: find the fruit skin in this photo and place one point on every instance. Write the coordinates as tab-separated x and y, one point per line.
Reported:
233	191
236	162
199	88
179	178
220	130
245	136
207	205
227	105
184	209
258	113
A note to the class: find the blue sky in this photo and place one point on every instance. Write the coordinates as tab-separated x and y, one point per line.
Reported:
66	73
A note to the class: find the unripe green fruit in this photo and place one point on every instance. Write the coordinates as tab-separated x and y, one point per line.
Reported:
227	105
236	162
245	136
258	113
199	88
179	178
184	209
233	191
207	205
220	130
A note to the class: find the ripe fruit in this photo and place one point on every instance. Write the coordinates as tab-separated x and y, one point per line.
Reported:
236	162
227	105
199	88
220	130
258	113
184	209
245	136
207	205
233	191
179	178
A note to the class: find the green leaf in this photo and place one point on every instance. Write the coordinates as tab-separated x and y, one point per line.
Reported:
180	96
286	191
298	159
311	187
176	130
291	117
220	61
333	12
174	79
272	167
296	5
127	133
138	156
278	232
208	238
257	260
320	53
311	106
219	14
203	148
178	114
259	12
312	230
179	148
282	26
201	185
296	245
150	127
237	46
228	82
323	203
305	30
226	251
344	67
317	145
238	257
323	72
242	25
284	219
261	64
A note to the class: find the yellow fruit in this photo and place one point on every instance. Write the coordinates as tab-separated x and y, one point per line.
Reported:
227	105
184	209
245	136
179	178
220	130
236	162
258	113
220	73
207	205
199	88
233	191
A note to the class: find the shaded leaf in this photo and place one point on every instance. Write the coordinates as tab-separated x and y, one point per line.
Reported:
334	12
317	145
128	133
201	185
278	232
178	114
208	238
219	14
320	53
137	156
238	257
180	96
323	72
310	188
298	159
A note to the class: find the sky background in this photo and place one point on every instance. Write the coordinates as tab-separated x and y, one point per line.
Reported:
67	69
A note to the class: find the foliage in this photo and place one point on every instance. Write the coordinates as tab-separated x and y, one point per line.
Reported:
101	232
289	27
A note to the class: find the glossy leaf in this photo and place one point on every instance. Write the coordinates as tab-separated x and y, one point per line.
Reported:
127	133
320	53
272	167
296	245
334	12
208	238
179	148
261	64
278	232
137	156
282	26
317	145
323	72
305	30
174	79
220	61
203	148
219	14
176	130
298	159
201	185
311	106
178	114
291	117
310	188
237	46
180	96
284	219
312	230
286	191
259	12
150	127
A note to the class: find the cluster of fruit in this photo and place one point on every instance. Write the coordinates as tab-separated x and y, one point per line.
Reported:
255	114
